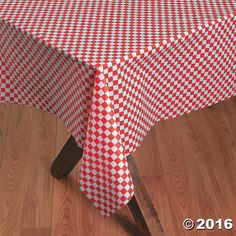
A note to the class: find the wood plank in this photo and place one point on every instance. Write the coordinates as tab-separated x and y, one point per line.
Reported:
35	232
37	205
65	220
5	113
13	174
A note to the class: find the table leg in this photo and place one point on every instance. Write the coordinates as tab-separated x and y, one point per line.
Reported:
70	156
138	216
66	159
147	218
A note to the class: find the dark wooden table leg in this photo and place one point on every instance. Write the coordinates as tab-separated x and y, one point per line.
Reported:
146	219
138	216
66	159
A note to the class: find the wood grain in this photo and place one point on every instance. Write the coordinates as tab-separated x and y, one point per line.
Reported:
187	164
13	177
35	232
38	195
196	176
26	185
5	113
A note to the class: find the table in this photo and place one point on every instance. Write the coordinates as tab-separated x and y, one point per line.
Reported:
111	69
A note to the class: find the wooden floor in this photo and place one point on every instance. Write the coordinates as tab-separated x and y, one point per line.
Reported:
188	165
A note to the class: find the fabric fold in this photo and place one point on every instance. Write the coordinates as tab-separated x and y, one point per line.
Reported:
104	176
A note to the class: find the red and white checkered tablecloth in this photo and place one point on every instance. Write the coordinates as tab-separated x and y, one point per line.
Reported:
111	69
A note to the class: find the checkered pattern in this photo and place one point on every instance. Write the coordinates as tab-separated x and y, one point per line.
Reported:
98	31
112	69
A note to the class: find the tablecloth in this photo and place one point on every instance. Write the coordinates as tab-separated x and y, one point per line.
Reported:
111	69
